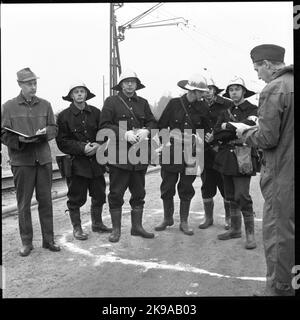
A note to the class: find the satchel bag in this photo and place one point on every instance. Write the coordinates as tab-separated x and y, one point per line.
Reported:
244	160
64	163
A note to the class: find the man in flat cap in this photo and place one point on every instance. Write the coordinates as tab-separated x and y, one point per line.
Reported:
77	128
30	157
275	136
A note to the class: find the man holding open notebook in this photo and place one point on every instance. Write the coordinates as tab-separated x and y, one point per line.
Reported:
27	124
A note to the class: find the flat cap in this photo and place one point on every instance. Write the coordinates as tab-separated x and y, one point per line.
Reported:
267	52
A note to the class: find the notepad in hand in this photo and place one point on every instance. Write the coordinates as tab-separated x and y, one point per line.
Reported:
23	134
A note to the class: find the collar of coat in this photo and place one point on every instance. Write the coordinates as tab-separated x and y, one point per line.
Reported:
243	106
21	99
76	111
284	70
123	96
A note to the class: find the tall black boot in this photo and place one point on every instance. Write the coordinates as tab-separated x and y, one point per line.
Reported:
249	230
235	227
209	211
116	223
168	215
227	214
76	222
184	214
136	224
97	224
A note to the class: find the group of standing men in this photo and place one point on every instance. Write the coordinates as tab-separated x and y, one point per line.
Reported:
230	157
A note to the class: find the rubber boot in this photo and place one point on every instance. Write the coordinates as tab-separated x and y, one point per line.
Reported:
78	233
136	224
249	230
168	215
76	222
208	210
97	224
116	224
235	226
227	214
184	214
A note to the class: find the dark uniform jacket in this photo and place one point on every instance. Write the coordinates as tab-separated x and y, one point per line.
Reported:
218	106
117	117
225	160
76	128
19	115
175	117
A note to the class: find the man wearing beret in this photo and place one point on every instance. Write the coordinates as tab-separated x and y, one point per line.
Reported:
275	136
30	157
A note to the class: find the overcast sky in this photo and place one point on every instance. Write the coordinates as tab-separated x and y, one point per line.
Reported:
66	42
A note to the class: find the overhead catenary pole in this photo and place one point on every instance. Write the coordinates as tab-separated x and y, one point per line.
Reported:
114	56
115	61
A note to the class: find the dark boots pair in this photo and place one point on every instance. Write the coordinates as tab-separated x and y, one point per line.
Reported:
168	205
235	228
209	209
97	224
136	224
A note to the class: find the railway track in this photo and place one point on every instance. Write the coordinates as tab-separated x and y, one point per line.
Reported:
57	193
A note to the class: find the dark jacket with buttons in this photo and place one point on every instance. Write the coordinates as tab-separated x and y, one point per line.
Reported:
216	108
116	116
76	128
225	160
27	118
175	117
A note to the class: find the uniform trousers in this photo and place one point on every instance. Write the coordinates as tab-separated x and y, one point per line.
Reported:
120	180
237	192
184	187
211	181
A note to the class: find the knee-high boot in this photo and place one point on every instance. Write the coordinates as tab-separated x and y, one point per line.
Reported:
97	224
76	222
184	214
235	227
136	224
249	229
227	214
168	215
116	223
208	211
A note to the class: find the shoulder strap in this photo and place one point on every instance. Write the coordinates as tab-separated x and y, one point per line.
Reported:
185	110
128	108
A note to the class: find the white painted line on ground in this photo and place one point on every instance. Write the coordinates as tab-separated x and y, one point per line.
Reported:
163	265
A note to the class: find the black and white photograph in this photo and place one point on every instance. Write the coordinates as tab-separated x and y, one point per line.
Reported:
148	152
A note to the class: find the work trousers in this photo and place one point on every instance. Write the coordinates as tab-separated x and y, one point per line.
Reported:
26	180
184	187
211	181
278	229
120	180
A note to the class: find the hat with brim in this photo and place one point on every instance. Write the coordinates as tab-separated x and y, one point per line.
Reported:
217	89
128	74
239	82
195	82
25	75
89	94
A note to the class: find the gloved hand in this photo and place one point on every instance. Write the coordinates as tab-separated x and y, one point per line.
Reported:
131	137
91	148
142	134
